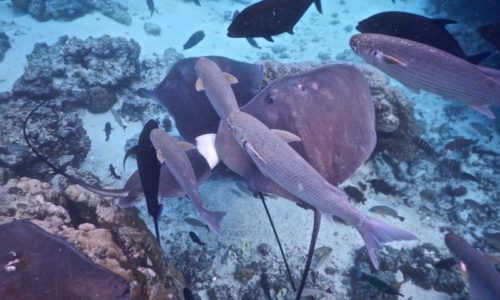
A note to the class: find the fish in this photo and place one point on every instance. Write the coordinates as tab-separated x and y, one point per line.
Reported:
491	33
278	161
424	146
36	264
379	284
196	222
118	118
417	28
112	172
107	130
445	264
422	67
151	6
172	153
481	151
449	166
320	256
217	86
493	238
460	143
195	238
386	211
194	39
264	284
268	18
483	278
253	43
381	186
188	295
469	176
179	84
149	170
355	194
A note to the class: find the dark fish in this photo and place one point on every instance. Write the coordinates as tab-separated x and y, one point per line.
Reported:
355	194
455	192
194	39
460	143
424	146
112	172
417	28
491	33
469	176
264	284
38	265
481	151
381	186
422	67
195	238
151	6
447	166
379	284
149	169
267	18
107	130
188	295
253	43
197	2
445	264
484	280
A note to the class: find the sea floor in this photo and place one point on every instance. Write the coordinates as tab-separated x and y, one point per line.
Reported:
245	227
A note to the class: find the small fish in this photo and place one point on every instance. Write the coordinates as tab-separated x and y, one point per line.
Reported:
188	295
253	43
118	118
424	146
447	166
460	143
355	194
493	239
107	130
264	283
112	172
455	192
151	6
320	257
196	223
380	285
469	176
381	186
194	39
195	238
481	151
445	264
386	211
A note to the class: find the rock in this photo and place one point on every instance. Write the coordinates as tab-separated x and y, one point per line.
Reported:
113	9
4	44
74	73
152	29
61	138
121	243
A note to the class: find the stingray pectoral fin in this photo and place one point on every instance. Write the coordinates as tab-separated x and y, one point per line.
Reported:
287	136
230	78
390	60
484	109
185	146
199	85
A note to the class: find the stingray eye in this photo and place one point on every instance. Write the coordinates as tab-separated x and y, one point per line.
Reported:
374	53
354	48
244	144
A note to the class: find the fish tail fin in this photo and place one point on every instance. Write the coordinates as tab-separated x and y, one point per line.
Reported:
213	219
477	58
483	109
375	233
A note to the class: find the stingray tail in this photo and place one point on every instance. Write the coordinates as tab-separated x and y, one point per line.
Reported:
375	233
213	219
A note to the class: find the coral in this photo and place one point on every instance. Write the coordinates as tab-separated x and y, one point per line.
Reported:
113	238
76	73
61	137
70	9
4	44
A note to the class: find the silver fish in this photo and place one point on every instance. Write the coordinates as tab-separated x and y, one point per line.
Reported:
118	118
279	162
172	153
422	67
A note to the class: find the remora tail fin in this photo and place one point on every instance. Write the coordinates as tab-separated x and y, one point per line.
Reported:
375	233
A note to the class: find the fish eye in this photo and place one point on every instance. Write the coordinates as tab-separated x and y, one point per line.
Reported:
374	53
354	48
244	144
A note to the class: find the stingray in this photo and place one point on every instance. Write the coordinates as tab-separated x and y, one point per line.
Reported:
330	109
132	192
38	265
191	110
